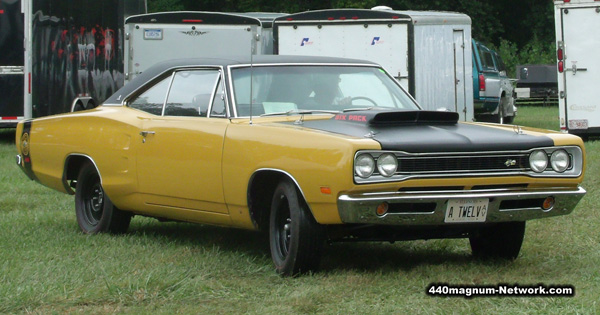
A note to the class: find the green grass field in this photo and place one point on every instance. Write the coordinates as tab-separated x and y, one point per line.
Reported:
47	266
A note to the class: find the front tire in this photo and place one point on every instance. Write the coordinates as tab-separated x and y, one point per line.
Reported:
502	240
94	210
296	239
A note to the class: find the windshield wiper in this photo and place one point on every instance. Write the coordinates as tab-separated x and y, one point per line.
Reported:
300	112
357	109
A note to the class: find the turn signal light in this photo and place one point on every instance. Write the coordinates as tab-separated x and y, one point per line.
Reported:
382	209
548	203
326	190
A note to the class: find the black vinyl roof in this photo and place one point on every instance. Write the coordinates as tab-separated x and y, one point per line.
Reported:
165	66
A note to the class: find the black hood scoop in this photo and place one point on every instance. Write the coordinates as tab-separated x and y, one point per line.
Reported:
382	118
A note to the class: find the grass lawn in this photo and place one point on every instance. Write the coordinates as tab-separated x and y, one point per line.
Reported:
47	266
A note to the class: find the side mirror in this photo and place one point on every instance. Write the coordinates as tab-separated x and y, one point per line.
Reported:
524	73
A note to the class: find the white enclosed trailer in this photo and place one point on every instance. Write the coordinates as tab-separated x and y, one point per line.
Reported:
156	37
428	52
577	24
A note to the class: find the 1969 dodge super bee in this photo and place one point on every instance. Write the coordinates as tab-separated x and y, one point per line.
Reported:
313	150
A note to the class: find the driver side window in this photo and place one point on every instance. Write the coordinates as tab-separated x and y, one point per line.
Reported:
152	100
191	92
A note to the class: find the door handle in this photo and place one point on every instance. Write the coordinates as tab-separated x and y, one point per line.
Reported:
146	133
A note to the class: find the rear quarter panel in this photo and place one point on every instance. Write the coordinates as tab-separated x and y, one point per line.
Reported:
103	134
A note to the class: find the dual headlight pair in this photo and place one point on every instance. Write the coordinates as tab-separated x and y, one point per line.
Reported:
559	161
365	164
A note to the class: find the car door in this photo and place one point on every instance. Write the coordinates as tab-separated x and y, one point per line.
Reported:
179	158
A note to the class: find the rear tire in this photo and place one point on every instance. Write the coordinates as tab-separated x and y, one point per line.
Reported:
502	240
94	210
509	120
296	239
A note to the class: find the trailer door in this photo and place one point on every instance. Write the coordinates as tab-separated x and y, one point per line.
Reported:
385	44
582	68
152	43
11	63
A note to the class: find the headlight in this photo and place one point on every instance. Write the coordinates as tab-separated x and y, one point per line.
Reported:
387	164
538	161
559	160
364	165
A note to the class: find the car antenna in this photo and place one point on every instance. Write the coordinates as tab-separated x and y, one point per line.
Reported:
251	76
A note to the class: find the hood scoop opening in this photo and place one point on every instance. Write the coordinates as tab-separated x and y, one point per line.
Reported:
382	118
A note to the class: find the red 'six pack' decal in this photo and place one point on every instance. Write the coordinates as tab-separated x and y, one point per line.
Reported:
360	118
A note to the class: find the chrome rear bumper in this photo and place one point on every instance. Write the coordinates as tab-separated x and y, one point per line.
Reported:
429	208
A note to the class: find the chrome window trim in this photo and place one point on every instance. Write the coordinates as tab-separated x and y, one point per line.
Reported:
172	70
220	78
575	169
162	112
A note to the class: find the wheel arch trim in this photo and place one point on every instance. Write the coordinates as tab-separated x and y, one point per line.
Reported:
66	168
283	174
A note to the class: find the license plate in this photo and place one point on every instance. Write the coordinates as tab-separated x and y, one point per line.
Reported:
578	124
153	33
466	210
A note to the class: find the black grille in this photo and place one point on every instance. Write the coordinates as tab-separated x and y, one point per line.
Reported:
457	164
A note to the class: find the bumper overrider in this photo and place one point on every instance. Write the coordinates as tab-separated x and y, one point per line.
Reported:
452	207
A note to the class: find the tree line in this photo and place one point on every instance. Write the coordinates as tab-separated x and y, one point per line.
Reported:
521	30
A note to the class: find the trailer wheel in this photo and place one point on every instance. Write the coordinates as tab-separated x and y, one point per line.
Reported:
296	239
94	210
90	104
78	106
502	240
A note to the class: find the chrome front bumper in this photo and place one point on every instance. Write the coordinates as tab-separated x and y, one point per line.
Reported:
429	208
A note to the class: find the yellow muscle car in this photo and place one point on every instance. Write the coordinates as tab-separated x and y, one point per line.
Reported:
312	150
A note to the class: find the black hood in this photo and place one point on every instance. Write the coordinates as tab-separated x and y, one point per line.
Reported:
426	131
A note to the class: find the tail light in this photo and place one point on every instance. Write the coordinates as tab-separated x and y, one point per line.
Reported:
561	66
481	82
560	54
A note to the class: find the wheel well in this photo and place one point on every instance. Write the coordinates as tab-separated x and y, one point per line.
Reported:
73	165
260	194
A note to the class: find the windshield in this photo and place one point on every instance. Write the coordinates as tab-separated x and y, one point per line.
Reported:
292	89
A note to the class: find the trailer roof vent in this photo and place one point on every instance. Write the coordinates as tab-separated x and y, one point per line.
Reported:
382	8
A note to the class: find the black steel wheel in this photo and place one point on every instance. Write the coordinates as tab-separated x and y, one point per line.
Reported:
296	239
94	210
502	240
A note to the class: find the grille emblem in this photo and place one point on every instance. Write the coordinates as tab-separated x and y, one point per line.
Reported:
510	162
